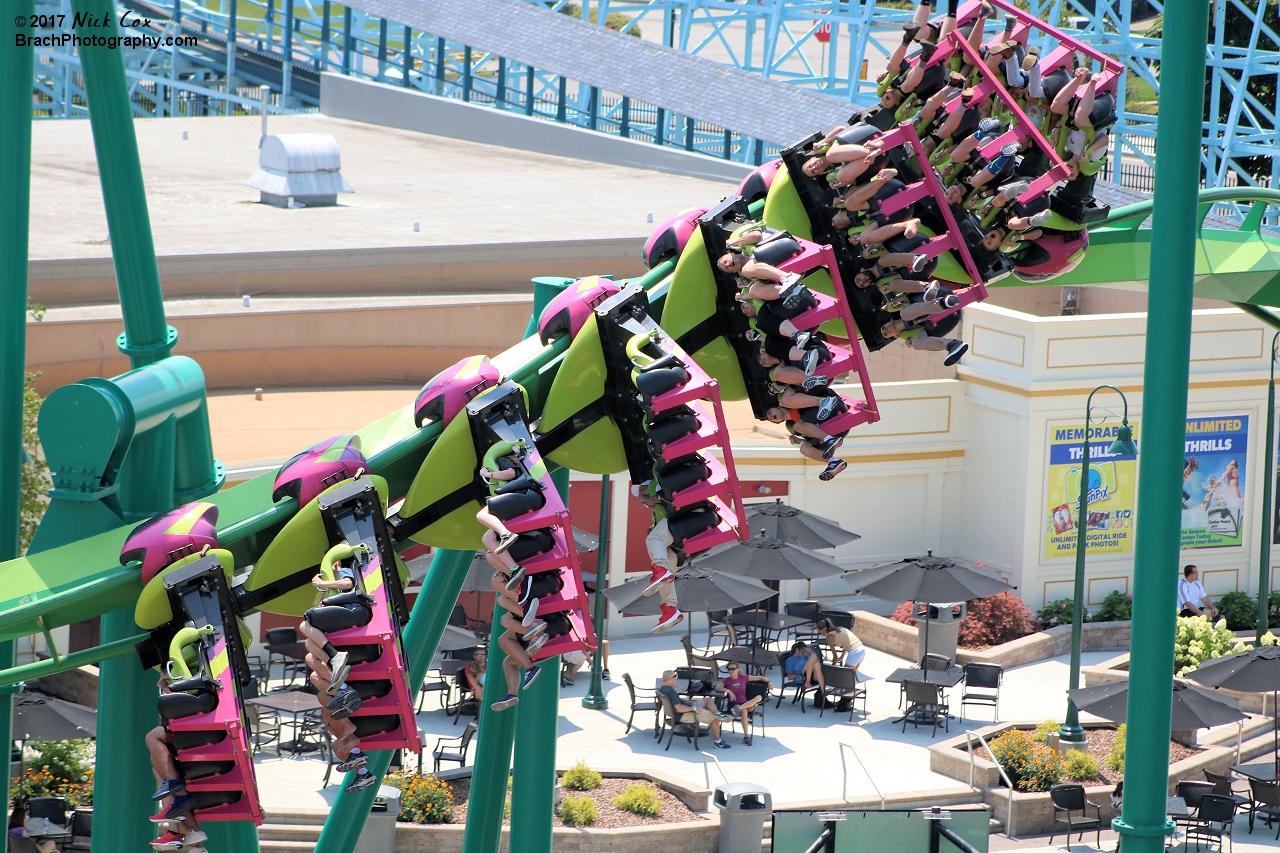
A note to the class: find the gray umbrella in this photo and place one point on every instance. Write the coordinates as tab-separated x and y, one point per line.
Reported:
1254	671
928	579
797	527
1193	708
699	590
585	542
37	717
767	559
456	639
478	575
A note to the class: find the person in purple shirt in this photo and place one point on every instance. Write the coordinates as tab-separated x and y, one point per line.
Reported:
739	705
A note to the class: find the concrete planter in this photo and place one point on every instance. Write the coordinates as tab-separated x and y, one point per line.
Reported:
699	836
1117	669
1033	812
898	639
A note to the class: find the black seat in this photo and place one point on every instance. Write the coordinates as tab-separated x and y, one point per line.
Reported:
641	700
451	748
173	706
53	808
1212	822
1192	791
690	731
81	831
1068	799
842	684
1266	803
982	687
926	704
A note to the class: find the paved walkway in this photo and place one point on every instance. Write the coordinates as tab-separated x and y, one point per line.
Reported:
798	759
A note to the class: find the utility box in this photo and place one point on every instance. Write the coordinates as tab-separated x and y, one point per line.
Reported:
300	170
379	835
938	626
744	808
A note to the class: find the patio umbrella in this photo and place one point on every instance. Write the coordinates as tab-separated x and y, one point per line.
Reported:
1254	671
698	589
585	542
1193	708
37	717
926	579
767	558
797	527
478	575
456	639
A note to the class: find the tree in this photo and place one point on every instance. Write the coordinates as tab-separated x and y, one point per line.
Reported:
35	471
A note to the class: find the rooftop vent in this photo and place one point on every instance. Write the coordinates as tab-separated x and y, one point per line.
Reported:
300	170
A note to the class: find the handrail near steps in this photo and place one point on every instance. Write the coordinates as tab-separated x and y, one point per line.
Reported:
968	740
844	787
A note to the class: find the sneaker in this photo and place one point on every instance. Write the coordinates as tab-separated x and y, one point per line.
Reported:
816	382
949	301
163	817
516	577
504	542
530	675
355	760
671	617
340	664
194	837
169	841
604	675
723	715
955	352
169	788
956	80
827	407
199	848
505	702
789	280
530	614
919	262
931	291
834	467
719	744
344	703
1015	189
536	645
746	740
1010	22
812	358
909	30
988	127
926	50
1040	218
659	577
534	630
1009	150
801	339
363	780
830	446
180	807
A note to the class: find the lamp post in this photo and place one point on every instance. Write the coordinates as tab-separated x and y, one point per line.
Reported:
1268	525
1071	734
595	694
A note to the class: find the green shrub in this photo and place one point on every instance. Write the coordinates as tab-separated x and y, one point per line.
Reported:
1239	609
578	811
1115	758
1042	732
1197	641
423	799
1116	607
580	777
1080	766
1059	613
69	760
615	21
639	798
1030	766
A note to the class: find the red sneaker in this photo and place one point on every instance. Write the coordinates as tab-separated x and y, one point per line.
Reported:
670	618
658	578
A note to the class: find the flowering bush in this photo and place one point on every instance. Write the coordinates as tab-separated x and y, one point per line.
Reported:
56	768
1197	641
423	799
1116	607
1059	613
991	621
42	783
1030	766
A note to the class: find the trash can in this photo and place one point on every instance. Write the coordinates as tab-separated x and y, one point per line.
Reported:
379	834
939	628
744	808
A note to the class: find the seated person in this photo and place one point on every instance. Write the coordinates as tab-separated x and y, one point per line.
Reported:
512	493
949	159
474	672
846	648
885	183
348	608
704	713
803	667
524	605
739	705
788	374
518	654
839	152
574	661
177	807
805	424
878	273
659	542
914	306
928	336
775	318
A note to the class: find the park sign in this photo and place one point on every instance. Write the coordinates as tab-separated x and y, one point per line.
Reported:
1215	458
1112	477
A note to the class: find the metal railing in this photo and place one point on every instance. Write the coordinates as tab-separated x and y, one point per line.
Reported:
706	771
968	742
844	765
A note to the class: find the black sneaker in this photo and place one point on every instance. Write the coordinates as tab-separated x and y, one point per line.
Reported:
505	542
949	301
801	339
508	701
516	577
955	352
834	467
181	805
719	744
604	674
828	407
830	446
530	675
926	50
344	703
1009	150
363	780
355	760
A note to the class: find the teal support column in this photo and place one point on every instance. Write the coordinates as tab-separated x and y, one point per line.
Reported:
122	782
147	338
421	639
16	68
1268	525
595	698
1142	824
492	763
534	777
